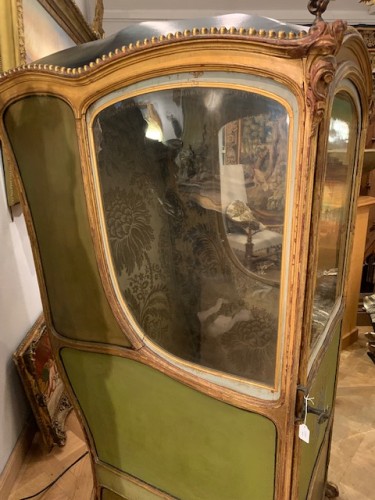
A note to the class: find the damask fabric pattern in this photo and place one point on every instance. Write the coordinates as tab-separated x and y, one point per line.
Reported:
174	270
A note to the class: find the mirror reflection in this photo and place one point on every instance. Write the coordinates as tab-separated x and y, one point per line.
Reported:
193	189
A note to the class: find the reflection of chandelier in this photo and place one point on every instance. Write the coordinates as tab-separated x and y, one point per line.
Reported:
368	2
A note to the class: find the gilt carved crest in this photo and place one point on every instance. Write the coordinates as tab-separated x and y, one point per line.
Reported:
322	73
322	67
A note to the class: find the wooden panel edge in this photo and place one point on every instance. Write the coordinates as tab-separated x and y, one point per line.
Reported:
70	19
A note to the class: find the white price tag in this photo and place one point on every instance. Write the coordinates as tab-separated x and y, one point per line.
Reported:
304	433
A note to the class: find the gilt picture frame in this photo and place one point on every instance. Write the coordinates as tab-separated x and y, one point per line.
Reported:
43	386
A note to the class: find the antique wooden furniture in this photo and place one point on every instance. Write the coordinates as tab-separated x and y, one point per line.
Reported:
190	190
349	323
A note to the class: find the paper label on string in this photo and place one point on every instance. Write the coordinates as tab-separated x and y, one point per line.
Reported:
304	433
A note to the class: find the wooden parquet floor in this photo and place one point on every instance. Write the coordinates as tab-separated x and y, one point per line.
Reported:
41	468
352	459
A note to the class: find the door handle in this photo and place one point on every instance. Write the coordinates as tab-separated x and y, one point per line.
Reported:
322	414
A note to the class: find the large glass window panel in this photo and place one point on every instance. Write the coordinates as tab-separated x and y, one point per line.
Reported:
334	215
193	191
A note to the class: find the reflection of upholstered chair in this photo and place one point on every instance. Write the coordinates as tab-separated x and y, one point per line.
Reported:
256	246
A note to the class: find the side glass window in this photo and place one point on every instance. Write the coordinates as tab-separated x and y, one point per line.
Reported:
193	191
334	216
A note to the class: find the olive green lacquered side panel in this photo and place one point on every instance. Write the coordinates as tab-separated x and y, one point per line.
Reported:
323	392
42	133
318	487
170	436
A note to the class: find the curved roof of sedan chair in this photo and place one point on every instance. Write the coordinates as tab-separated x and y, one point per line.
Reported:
287	40
146	33
290	40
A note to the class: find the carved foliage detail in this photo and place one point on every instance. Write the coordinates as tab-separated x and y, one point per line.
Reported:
328	36
322	68
322	73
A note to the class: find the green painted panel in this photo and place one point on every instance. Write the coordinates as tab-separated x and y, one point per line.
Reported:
322	391
170	436
318	487
42	132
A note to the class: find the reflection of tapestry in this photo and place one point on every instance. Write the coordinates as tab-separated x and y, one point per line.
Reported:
43	385
258	143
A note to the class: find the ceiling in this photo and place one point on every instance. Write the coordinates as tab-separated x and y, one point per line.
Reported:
118	13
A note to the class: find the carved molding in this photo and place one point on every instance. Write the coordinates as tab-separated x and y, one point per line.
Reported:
330	36
323	67
21	33
70	19
97	24
322	73
368	35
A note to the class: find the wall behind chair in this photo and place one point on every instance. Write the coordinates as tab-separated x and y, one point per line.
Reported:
118	13
19	307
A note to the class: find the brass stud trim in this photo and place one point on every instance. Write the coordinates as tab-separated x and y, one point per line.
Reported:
204	31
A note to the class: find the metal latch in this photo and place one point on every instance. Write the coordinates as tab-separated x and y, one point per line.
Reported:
303	404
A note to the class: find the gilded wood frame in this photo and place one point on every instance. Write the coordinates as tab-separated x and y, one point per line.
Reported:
70	19
34	360
12	54
81	87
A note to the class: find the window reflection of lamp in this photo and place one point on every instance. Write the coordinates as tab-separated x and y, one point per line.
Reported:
338	131
154	129
213	99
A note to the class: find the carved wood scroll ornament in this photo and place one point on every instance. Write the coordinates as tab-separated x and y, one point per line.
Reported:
322	68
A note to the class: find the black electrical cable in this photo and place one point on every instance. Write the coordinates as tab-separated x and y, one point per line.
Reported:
56	478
